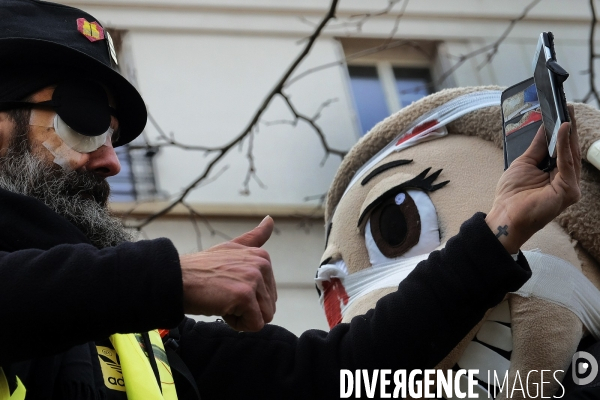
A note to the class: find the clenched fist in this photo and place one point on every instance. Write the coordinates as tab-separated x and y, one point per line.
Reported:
233	280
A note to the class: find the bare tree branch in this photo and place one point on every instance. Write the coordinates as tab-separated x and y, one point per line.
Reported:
396	22
312	123
277	90
194	215
196	226
388	44
285	81
294	122
321	197
363	53
251	174
494	50
323	105
169	140
491	48
362	18
592	57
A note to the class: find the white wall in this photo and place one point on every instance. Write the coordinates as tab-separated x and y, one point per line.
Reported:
206	88
295	251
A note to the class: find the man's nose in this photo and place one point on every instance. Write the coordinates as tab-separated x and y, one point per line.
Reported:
104	161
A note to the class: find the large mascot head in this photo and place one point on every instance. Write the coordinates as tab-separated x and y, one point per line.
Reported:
405	188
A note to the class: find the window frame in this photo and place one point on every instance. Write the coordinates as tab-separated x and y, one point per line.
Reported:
387	78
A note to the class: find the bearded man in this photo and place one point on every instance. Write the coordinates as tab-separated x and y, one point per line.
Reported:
75	291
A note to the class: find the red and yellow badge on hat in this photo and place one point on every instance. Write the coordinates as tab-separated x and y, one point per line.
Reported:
94	32
91	30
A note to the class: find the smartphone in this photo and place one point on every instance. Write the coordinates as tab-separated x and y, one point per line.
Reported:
521	119
549	78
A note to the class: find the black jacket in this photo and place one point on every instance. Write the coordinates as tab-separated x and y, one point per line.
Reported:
58	292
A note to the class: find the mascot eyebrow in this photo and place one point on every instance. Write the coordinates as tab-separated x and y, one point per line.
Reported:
421	181
383	168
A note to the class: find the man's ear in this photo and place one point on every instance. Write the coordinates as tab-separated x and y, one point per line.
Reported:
6	129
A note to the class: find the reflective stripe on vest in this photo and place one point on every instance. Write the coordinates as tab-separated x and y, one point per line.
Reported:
18	394
140	382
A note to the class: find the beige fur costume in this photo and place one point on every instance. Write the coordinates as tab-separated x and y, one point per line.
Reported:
544	335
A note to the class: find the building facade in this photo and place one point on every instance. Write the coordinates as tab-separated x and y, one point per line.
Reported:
205	67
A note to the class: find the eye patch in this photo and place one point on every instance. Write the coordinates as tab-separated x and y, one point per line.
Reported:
82	105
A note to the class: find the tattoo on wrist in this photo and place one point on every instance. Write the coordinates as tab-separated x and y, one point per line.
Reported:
502	230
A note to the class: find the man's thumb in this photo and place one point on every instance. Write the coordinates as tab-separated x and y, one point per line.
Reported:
257	236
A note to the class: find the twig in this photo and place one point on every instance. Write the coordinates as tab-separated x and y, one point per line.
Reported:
251	174
359	54
195	225
389	43
277	90
294	122
323	106
317	129
491	48
510	27
207	224
320	197
592	58
169	140
366	16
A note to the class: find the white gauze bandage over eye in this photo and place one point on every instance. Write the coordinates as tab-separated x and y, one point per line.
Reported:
67	146
77	141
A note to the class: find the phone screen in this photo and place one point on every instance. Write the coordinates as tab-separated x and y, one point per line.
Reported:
521	118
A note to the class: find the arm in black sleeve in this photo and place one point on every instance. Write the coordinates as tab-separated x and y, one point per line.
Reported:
415	327
71	294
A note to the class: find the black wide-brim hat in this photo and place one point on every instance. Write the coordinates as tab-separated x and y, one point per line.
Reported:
51	42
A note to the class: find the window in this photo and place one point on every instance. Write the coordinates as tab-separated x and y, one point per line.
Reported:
136	179
121	187
412	84
383	82
369	98
382	90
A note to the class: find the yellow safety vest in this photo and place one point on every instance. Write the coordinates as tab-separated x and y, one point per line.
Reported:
18	394
140	381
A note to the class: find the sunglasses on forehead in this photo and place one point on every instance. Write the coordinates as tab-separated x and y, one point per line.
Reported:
82	105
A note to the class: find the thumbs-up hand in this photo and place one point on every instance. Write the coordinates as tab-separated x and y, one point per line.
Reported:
233	280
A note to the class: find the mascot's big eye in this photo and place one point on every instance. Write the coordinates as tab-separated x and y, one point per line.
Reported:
402	226
395	225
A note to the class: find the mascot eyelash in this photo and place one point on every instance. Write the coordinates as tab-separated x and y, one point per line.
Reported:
421	181
382	168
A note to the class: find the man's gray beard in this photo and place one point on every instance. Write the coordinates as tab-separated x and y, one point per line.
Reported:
80	197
